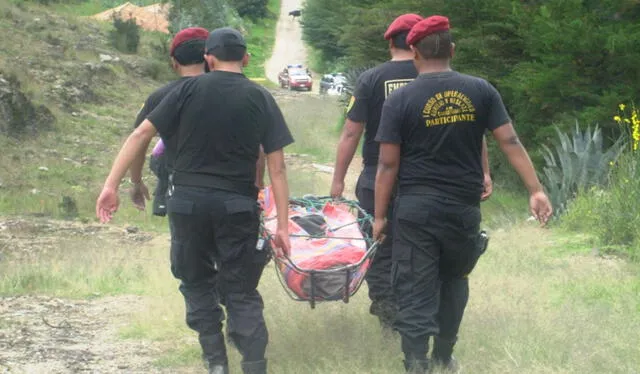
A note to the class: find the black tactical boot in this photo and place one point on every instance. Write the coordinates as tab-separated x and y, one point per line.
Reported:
214	353
413	366
415	354
218	369
451	366
255	367
442	354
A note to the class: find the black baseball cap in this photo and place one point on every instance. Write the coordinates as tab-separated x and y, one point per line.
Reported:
226	43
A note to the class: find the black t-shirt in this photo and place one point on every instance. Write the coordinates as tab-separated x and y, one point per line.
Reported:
219	120
150	104
154	99
372	88
439	120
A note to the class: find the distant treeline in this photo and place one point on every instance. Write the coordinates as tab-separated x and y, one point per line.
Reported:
215	13
554	61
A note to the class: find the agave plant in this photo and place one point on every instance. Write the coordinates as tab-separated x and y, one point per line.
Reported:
351	76
579	162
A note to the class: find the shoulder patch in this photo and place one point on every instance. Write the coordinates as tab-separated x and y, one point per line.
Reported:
351	102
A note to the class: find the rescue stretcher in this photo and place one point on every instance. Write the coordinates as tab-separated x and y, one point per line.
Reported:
331	249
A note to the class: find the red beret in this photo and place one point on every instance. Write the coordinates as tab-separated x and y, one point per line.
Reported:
403	23
427	26
191	33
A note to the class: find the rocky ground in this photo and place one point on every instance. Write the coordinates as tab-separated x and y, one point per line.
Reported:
41	334
52	335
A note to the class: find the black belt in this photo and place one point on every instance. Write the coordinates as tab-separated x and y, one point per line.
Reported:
428	190
179	178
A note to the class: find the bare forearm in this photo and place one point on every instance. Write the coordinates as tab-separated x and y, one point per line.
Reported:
346	149
136	143
278	177
135	170
485	156
519	159
347	146
385	180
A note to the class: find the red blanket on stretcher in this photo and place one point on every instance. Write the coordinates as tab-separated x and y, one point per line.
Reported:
322	238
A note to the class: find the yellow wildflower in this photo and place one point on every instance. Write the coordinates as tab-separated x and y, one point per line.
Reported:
621	106
635	129
617	118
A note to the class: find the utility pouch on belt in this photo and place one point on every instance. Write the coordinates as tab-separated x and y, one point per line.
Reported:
483	241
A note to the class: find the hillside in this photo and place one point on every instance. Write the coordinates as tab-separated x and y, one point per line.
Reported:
84	95
92	91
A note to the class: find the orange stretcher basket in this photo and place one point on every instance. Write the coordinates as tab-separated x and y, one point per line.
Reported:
331	248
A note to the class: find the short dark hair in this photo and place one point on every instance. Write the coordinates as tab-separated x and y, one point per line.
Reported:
436	46
230	53
400	40
190	52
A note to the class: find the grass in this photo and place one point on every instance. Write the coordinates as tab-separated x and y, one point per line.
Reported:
535	307
311	120
540	303
78	266
504	208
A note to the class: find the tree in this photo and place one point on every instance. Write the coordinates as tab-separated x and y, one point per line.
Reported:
210	14
253	9
553	61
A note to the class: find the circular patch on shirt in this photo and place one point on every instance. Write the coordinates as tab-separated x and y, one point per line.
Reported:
351	102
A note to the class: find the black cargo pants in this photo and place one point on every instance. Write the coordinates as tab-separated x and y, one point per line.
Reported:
436	244
383	303
214	254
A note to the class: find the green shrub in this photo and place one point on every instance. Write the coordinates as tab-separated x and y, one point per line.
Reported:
253	9
209	14
614	214
580	162
157	70
158	66
584	213
620	209
352	75
125	35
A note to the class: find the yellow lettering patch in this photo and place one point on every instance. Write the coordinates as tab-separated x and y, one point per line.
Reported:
447	108
351	102
392	85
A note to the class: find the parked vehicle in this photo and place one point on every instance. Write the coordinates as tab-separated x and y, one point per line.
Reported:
332	83
294	77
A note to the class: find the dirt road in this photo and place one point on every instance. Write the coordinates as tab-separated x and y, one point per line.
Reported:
288	48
